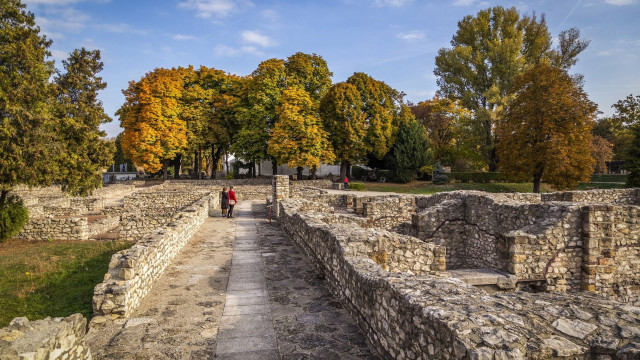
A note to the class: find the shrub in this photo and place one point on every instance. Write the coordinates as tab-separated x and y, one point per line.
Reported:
356	186
609	178
229	176
358	172
438	175
13	216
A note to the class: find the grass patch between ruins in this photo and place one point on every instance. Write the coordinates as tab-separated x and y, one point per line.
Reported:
427	187
40	279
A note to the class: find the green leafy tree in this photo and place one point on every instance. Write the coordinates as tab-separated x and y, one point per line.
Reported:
85	151
633	162
119	156
345	122
487	52
381	105
257	111
26	130
310	72
546	129
298	138
409	153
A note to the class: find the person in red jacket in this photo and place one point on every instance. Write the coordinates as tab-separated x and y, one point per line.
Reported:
232	201
346	182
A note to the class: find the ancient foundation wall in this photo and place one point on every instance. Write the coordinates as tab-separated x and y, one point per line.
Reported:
57	338
426	316
71	228
133	272
610	196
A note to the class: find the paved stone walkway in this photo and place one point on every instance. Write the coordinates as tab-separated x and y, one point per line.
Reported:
258	299
246	328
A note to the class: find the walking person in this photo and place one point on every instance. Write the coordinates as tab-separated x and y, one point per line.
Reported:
346	183
232	201
224	202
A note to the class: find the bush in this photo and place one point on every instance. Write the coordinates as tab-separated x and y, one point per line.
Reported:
476	177
356	186
13	216
609	178
438	175
359	173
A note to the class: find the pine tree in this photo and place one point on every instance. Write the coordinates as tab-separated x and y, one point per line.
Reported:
409	153
79	114
26	132
438	176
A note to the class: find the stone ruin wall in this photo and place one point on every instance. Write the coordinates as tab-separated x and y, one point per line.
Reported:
54	215
132	272
426	315
57	338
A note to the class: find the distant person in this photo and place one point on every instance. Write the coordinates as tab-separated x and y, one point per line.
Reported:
232	201
346	182
224	202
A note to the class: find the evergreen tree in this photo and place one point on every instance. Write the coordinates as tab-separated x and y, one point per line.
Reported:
633	162
79	114
409	153
438	176
26	139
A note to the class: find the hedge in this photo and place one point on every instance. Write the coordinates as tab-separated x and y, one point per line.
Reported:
356	186
609	178
476	177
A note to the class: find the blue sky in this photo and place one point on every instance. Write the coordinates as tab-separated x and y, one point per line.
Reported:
395	41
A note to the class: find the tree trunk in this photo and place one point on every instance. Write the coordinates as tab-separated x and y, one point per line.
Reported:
216	158
177	165
299	170
537	178
227	161
195	165
199	163
3	197
165	166
274	166
344	167
312	173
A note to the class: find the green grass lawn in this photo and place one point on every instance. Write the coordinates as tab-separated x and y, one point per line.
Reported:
40	279
426	187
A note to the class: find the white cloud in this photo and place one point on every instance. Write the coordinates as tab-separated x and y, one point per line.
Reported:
218	8
470	3
59	55
412	36
120	29
63	20
181	37
621	2
395	3
254	37
224	50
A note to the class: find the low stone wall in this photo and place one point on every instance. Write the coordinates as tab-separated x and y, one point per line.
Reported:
71	228
407	316
58	338
610	196
133	272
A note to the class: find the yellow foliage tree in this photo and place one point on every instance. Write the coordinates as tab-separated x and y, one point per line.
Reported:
298	138
154	132
546	129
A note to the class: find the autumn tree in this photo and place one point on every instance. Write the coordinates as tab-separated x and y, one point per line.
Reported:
341	110
297	138
154	132
381	105
309	72
443	119
487	52
84	148
257	111
601	152
26	130
546	129
410	152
